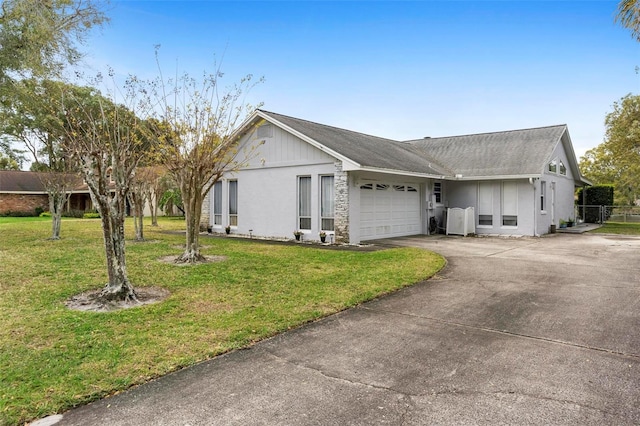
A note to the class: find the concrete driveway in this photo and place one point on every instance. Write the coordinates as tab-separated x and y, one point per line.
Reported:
513	331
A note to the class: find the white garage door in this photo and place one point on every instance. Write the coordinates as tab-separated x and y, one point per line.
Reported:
389	210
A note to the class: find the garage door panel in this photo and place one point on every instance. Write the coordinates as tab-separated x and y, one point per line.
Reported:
389	210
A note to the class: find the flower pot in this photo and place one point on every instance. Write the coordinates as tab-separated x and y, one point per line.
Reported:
323	239
228	231
552	229
297	237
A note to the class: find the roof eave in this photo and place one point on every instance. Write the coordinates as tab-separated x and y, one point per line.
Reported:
493	177
391	171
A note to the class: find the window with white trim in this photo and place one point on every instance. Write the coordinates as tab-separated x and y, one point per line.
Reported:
543	196
563	168
553	166
304	202
233	203
217	203
485	204
326	203
437	191
509	204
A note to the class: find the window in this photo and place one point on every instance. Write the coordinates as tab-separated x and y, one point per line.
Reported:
437	191
553	166
233	203
326	203
304	202
563	168
217	203
398	188
411	189
381	187
543	195
366	186
509	204
485	204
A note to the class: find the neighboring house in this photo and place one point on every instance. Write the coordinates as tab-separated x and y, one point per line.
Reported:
22	191
312	177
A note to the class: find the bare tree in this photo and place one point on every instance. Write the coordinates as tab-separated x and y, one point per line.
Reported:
108	140
197	140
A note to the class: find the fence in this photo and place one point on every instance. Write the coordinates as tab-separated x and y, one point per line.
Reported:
602	214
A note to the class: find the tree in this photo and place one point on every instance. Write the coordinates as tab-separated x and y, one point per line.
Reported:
197	143
108	140
31	118
40	37
629	16
8	163
617	160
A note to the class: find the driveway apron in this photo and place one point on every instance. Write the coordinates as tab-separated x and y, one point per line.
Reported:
512	331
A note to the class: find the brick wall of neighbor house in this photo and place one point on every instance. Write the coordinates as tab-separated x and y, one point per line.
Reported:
341	213
23	203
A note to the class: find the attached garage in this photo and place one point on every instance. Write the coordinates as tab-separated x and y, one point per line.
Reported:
389	210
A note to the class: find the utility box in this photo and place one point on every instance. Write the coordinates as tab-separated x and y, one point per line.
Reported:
461	221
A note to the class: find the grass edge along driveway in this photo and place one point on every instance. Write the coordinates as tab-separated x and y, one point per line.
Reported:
52	359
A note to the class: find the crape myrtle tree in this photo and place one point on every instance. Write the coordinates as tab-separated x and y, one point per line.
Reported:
108	138
32	119
197	141
144	191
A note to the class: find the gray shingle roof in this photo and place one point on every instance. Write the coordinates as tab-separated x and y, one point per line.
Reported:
366	150
509	153
20	181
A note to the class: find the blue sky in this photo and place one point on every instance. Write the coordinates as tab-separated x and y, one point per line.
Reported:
401	70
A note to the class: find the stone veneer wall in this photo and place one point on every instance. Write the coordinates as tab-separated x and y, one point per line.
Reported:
23	202
341	213
205	214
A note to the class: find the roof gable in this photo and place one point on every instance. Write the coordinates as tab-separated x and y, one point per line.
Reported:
365	151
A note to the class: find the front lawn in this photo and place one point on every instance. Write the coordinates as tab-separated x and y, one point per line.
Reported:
625	228
52	358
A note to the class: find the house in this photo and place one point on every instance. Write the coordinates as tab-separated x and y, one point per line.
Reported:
24	192
312	177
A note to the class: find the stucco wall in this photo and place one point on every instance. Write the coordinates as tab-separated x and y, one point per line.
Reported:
268	185
464	194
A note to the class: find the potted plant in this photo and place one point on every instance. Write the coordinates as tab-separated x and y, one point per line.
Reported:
570	222
563	223
297	234
323	236
227	229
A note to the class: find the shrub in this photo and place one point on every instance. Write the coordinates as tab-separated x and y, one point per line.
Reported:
16	214
78	214
597	195
45	214
39	210
91	215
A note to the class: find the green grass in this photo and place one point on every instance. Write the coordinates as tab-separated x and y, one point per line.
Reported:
9	219
618	228
52	358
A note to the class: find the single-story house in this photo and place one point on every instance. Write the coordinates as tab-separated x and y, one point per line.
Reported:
24	192
355	187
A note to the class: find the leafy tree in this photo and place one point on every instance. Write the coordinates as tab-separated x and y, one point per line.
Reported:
197	143
32	119
40	37
7	163
617	160
108	140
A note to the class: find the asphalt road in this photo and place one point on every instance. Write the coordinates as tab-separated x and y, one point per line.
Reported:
512	331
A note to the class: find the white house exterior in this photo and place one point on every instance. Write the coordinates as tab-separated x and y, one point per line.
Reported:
312	177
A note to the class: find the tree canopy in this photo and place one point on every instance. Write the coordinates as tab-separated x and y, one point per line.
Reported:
41	37
617	160
629	16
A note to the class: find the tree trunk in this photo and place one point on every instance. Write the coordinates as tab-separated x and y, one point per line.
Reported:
152	196
56	205
118	287
137	202
192	201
